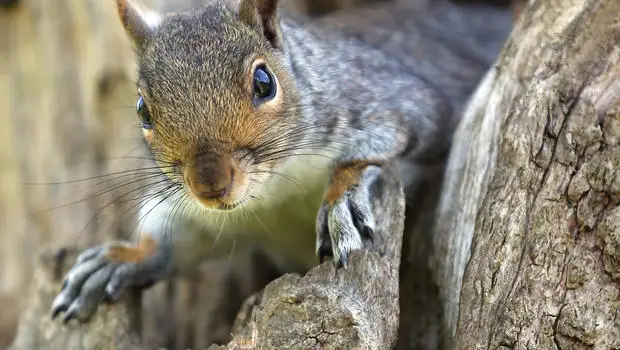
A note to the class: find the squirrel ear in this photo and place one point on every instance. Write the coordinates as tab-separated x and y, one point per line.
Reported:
139	22
262	13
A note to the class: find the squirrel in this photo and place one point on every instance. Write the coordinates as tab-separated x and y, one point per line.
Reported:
277	128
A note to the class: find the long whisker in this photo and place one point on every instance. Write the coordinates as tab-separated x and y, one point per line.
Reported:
163	198
96	195
303	191
129	172
143	200
116	201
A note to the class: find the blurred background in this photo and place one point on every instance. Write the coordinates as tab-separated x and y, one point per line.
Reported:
67	108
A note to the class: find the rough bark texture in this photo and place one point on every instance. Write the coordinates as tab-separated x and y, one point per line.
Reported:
529	224
356	308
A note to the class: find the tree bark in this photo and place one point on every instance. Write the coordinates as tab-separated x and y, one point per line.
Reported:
528	229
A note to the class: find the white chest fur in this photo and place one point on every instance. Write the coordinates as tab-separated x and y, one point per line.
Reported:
282	221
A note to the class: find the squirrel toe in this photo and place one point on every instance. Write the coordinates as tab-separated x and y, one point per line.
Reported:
346	223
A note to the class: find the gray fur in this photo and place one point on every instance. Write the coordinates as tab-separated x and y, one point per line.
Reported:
94	279
339	224
385	83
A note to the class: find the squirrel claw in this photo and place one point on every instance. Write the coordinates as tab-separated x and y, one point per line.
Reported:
56	310
96	279
347	223
69	315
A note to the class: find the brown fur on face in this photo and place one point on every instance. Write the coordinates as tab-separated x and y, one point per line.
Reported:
196	78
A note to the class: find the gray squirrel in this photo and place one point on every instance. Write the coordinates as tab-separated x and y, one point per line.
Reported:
276	128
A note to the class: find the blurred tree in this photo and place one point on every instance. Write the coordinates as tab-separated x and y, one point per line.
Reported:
5	4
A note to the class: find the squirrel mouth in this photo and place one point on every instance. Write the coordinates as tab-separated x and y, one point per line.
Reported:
227	206
216	204
216	187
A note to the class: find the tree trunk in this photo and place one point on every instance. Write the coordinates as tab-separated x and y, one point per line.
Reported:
528	233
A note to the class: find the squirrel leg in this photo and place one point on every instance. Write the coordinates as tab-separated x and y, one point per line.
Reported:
101	273
382	142
345	222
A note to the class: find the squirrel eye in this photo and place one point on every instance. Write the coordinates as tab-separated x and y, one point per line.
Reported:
144	114
264	85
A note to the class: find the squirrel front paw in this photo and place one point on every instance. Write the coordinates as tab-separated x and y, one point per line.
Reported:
102	273
345	222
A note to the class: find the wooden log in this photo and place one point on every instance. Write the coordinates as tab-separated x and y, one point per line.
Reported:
529	222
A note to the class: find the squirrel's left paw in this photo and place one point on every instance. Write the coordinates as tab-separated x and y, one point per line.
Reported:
345	222
102	273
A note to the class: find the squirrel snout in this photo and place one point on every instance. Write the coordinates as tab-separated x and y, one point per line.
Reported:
210	178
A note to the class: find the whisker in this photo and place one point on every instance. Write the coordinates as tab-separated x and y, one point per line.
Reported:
260	222
177	205
115	201
96	195
123	172
164	198
144	200
289	178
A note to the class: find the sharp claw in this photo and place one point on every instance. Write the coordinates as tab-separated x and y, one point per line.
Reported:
107	298
368	233
343	261
56	311
112	292
59	305
69	315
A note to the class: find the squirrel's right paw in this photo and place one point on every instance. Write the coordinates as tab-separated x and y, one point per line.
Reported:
346	221
102	273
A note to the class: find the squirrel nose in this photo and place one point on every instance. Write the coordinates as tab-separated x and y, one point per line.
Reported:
210	178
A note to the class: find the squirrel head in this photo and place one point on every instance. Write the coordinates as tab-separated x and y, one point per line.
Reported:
218	108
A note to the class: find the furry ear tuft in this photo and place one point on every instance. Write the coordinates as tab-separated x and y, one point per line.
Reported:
138	21
263	14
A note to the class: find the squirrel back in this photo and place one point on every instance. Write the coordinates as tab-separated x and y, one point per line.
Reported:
448	45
